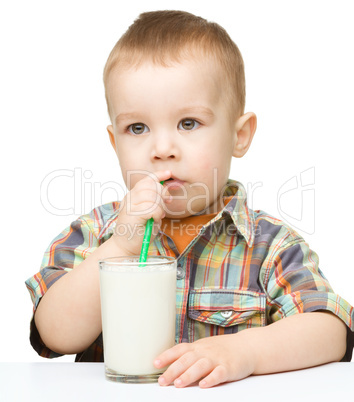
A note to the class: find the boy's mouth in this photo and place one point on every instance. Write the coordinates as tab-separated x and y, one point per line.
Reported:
173	183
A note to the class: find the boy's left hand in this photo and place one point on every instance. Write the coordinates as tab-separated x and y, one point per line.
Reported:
215	360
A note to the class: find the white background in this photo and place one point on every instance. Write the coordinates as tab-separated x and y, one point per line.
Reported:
299	75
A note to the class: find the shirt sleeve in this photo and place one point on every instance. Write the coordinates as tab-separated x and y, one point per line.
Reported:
295	284
66	251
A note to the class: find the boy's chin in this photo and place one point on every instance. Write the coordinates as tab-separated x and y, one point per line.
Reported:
177	215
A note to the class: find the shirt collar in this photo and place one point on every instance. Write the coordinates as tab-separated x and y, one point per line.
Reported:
238	210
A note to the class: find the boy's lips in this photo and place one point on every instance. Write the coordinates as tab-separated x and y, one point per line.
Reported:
173	183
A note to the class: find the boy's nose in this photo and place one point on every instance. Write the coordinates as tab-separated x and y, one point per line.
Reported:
163	156
164	149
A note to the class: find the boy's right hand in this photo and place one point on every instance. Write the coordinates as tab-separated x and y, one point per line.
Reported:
144	201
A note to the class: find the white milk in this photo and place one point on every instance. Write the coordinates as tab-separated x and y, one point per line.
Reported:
138	316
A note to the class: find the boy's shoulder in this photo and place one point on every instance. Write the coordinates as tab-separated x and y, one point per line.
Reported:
271	238
266	225
258	226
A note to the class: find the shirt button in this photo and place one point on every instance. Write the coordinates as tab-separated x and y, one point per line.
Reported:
226	314
180	272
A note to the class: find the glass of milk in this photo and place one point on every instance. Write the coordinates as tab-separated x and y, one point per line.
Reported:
138	306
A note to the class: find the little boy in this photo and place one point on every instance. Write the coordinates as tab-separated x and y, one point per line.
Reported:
250	296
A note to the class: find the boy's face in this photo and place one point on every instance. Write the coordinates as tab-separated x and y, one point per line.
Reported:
174	118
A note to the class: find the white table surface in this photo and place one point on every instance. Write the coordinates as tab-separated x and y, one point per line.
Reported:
86	382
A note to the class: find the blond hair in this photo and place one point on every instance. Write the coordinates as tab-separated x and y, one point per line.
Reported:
171	36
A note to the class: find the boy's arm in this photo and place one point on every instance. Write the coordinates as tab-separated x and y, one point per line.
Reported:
68	317
299	341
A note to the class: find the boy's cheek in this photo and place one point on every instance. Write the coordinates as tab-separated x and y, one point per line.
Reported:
132	177
204	160
206	165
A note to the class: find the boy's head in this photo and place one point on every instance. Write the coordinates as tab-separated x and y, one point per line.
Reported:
175	92
165	37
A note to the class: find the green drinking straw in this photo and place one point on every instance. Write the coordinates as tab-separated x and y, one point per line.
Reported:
146	240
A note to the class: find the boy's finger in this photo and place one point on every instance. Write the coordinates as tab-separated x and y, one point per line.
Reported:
177	368
199	369
153	180
143	197
163	175
217	376
170	355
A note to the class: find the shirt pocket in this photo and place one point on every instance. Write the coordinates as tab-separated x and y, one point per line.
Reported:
227	308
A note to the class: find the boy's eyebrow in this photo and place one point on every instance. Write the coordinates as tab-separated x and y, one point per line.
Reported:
124	116
197	109
184	111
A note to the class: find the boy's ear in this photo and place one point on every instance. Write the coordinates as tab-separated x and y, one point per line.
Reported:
245	128
111	136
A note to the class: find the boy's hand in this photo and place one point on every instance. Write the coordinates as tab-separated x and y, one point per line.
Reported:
315	338
215	359
144	201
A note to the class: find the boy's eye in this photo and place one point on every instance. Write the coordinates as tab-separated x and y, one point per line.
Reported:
188	124
138	128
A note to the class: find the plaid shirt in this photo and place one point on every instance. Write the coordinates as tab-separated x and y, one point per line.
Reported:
244	269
